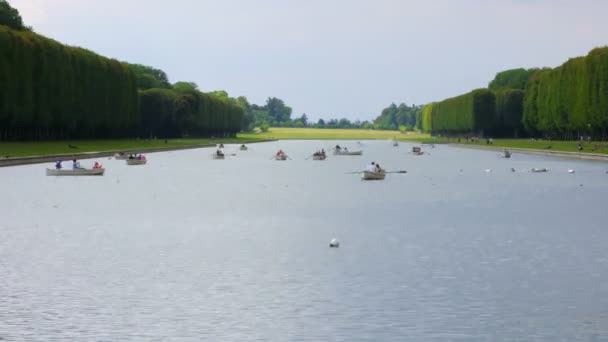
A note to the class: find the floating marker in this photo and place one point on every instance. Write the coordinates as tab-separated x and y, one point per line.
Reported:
570	171
334	243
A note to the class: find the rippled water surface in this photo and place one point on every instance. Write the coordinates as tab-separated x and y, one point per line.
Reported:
189	248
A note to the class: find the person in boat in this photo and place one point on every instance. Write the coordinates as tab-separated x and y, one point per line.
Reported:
76	164
97	165
280	153
378	168
58	165
143	157
243	146
131	156
219	152
323	152
221	146
371	167
345	149
338	148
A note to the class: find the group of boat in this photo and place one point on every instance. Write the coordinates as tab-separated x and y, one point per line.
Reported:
343	151
97	170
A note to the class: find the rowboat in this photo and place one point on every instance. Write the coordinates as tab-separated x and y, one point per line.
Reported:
417	150
243	148
137	161
395	144
539	170
347	153
369	175
319	157
75	172
121	156
280	157
218	156
507	154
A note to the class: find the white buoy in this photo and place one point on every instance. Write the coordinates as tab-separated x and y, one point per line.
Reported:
570	171
334	243
488	170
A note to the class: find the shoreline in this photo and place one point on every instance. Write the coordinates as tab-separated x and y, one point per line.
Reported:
17	161
558	154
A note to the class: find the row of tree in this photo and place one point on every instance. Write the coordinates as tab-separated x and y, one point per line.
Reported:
571	100
402	117
566	102
52	91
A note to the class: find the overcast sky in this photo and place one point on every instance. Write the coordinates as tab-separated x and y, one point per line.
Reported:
329	58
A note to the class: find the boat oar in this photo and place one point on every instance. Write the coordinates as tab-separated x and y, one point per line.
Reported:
352	173
400	171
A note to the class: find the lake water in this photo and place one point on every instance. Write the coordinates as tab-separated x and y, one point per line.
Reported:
188	248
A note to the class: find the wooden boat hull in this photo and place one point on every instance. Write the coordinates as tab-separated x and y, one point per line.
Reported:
349	153
75	172
539	170
368	175
136	161
281	157
319	157
219	156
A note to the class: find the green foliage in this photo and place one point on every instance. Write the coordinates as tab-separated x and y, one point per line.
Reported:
570	100
168	113
149	77
10	17
472	112
50	91
392	117
511	79
425	122
184	87
277	110
264	127
509	112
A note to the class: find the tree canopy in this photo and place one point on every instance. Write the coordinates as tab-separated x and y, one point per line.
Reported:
511	79
10	16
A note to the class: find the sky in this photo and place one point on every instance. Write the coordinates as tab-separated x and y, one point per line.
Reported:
329	58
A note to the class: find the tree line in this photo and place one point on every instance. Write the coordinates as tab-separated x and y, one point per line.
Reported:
566	102
52	91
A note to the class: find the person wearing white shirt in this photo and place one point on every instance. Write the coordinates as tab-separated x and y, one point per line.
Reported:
371	167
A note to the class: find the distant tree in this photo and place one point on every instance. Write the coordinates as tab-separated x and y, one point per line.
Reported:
148	77
304	119
321	123
10	17
511	79
185	86
264	127
278	110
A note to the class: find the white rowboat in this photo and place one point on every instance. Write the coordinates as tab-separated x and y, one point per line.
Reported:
243	148
137	161
119	156
347	153
369	175
218	156
75	172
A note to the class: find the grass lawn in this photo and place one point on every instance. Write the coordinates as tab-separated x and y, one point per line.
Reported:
23	149
546	145
333	134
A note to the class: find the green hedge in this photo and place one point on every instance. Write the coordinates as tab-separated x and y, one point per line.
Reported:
571	98
471	112
49	90
509	112
167	113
